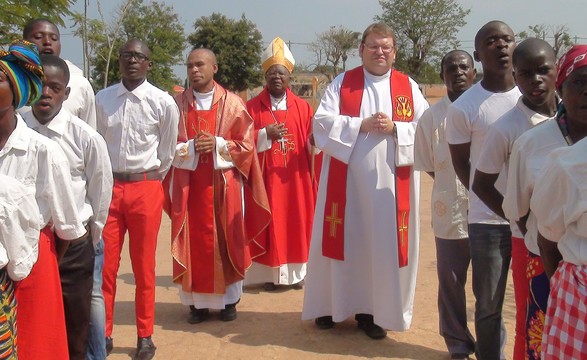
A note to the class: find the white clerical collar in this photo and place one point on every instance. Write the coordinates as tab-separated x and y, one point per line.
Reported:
377	78
204	100
278	103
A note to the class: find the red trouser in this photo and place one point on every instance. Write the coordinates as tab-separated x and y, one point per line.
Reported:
136	207
521	294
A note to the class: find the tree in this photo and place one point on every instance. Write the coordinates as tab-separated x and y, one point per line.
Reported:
333	47
425	31
557	35
154	23
237	45
15	14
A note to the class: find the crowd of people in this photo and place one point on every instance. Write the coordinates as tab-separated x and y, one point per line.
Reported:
270	192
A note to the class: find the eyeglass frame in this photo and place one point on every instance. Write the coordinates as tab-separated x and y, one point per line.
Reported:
139	57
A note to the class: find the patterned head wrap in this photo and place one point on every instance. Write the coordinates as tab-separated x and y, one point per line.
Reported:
572	60
22	66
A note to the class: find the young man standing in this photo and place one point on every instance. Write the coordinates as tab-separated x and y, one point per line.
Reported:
534	64
139	123
449	205
92	186
218	203
468	119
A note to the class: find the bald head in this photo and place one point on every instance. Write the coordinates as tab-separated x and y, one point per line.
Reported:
531	48
489	28
204	52
136	43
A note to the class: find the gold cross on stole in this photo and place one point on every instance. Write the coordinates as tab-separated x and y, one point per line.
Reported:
333	219
403	229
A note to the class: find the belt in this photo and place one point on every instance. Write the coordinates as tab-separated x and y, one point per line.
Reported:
143	176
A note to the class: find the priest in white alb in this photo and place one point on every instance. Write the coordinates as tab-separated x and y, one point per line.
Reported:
364	248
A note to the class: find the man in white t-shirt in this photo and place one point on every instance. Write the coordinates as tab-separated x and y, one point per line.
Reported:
534	65
489	235
449	206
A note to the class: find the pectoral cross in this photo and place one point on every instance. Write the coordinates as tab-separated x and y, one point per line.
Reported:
403	229
333	219
285	145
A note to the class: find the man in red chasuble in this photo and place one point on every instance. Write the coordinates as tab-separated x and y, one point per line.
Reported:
217	201
364	248
283	124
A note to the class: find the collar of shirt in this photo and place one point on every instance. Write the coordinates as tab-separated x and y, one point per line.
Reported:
140	92
533	117
57	124
16	139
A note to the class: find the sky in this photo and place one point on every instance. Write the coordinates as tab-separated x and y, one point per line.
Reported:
299	21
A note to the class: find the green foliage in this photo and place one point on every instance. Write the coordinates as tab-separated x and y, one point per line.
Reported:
154	23
425	31
333	47
557	35
237	45
15	14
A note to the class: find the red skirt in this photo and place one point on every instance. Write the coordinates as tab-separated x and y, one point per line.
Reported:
40	318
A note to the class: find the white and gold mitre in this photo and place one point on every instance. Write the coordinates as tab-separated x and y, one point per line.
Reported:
277	53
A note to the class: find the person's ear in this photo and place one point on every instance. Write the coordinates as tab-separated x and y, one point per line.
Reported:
67	91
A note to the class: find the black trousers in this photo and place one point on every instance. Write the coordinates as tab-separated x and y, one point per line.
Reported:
77	280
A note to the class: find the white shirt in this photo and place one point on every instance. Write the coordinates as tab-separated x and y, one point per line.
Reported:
528	156
89	163
496	150
559	201
40	164
139	126
467	121
431	154
19	228
81	100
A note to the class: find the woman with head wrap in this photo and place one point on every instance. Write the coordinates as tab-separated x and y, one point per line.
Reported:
42	167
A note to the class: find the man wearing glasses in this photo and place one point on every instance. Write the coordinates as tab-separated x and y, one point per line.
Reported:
139	123
364	247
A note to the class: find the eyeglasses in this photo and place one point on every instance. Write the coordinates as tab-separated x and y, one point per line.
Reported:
127	55
386	49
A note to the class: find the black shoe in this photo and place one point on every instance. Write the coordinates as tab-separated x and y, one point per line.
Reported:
269	286
197	315
459	356
229	312
324	322
299	285
109	345
145	349
365	323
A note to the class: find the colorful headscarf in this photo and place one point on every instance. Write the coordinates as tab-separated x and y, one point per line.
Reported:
22	66
572	60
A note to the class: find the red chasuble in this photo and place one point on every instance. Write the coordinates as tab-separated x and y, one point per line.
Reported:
211	205
351	95
286	171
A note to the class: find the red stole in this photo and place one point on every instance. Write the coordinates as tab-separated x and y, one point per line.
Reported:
203	235
351	95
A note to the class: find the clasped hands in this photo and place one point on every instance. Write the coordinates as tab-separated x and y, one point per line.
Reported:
379	122
276	131
204	142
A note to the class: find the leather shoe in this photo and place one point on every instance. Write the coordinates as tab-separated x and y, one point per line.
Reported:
365	323
269	286
298	285
109	345
459	356
229	312
197	315
324	322
145	349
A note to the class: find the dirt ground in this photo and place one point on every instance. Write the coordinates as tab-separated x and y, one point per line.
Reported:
269	325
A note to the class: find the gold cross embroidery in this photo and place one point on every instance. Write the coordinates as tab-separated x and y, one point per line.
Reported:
403	228
286	144
333	219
